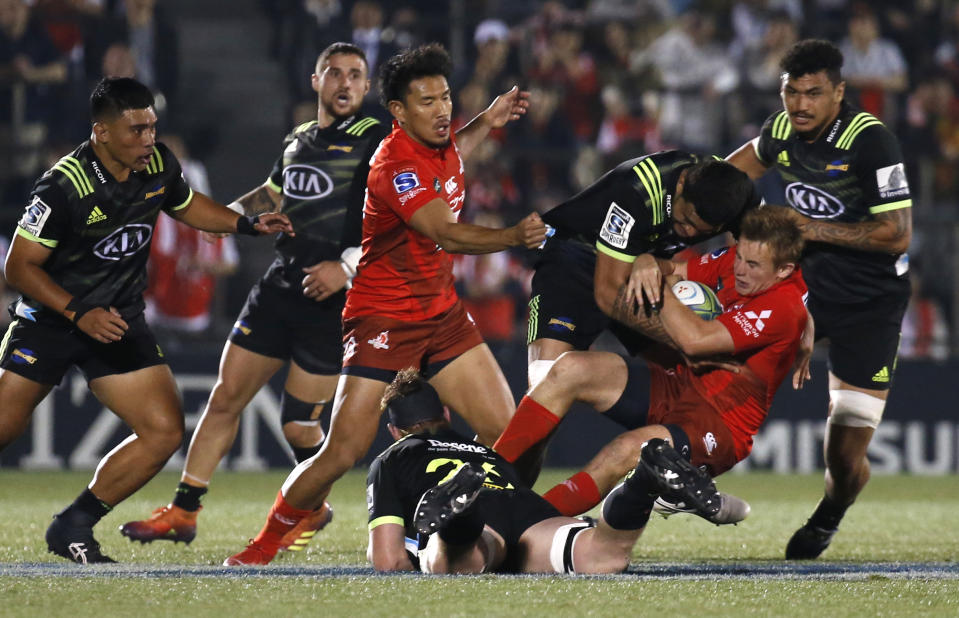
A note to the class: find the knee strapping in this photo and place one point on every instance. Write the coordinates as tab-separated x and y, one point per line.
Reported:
537	370
564	541
293	410
855	409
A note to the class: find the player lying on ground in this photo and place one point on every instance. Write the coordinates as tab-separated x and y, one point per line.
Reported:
447	504
709	417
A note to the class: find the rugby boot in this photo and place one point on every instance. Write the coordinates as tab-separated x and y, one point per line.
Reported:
808	542
257	553
663	470
300	536
168	523
440	503
75	543
732	510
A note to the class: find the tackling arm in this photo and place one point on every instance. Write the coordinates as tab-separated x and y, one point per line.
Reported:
436	221
261	199
889	232
746	159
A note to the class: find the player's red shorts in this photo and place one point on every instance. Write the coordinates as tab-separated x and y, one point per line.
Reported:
377	347
674	402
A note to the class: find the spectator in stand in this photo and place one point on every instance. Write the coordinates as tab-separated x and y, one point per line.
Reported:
925	332
31	67
622	133
761	73
874	68
366	21
492	68
185	263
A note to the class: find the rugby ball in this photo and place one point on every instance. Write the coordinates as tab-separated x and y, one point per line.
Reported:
698	297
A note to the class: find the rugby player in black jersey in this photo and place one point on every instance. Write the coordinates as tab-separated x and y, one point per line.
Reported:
293	314
470	504
846	187
79	259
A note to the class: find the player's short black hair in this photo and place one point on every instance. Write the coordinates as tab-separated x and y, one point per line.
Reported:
719	192
409	400
772	226
341	48
812	56
115	95
423	61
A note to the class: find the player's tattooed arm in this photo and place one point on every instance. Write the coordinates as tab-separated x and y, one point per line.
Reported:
889	232
627	311
259	200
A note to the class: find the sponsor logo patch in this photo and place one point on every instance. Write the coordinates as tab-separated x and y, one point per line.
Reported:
349	348
813	202
718	253
836	167
241	328
616	228
23	356
305	182
411	194
96	216
340	147
758	319
709	441
405	181
382	341
892	181
561	324
124	242
451	186
35	216
157	191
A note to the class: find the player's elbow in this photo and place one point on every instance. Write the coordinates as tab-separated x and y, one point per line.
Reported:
384	562
605	297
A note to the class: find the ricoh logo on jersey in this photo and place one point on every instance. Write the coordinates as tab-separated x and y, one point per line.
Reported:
813	202
305	182
124	242
96	170
832	132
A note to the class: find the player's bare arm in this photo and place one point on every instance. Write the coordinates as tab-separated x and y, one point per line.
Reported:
889	231
387	549
505	108
801	371
646	278
259	200
694	336
436	221
205	214
24	271
746	159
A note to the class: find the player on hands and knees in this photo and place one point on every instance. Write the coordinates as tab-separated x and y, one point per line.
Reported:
846	190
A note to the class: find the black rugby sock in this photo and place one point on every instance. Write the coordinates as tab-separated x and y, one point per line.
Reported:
85	511
188	497
627	507
302	453
463	529
828	514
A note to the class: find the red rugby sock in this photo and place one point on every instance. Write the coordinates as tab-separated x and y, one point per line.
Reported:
575	495
531	423
282	519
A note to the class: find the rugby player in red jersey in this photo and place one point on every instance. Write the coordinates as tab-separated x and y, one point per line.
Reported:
402	310
709	418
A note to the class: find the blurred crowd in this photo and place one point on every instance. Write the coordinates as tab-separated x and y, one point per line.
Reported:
609	80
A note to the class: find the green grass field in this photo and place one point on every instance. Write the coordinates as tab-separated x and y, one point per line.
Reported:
682	565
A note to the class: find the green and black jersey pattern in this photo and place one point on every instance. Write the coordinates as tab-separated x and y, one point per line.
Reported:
400	475
98	229
851	173
322	176
628	211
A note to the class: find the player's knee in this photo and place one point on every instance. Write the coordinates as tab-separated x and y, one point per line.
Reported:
570	371
301	420
164	431
226	399
563	557
855	409
303	435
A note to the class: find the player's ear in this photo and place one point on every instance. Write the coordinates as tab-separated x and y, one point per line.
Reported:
785	270
397	109
101	131
315	82
840	91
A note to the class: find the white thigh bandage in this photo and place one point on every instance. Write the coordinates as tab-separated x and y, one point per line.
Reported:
855	409
561	552
537	371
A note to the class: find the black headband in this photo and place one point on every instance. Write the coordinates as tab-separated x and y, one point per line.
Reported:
416	407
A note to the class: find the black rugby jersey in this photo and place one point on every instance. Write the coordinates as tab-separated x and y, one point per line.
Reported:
322	176
400	475
99	229
628	211
851	173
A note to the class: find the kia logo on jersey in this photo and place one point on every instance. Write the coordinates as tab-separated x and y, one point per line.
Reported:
813	202
305	182
124	242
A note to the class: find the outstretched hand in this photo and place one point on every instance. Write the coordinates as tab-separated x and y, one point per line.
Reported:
274	222
645	282
530	232
507	107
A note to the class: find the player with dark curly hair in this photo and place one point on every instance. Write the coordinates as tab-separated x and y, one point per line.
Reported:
846	188
402	310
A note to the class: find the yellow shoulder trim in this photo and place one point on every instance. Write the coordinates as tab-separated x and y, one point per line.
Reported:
616	255
890	206
43	241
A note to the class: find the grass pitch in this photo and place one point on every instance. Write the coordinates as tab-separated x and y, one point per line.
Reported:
682	565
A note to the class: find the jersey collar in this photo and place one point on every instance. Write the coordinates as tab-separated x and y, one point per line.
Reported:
421	149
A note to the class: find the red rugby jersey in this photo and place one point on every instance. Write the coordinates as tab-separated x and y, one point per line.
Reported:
765	328
403	274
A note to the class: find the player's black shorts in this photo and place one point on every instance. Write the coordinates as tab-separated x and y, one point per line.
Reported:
511	512
562	305
45	352
285	324
863	338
